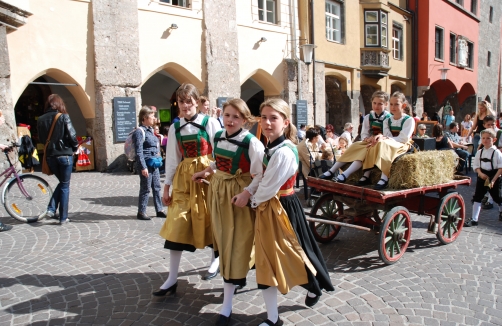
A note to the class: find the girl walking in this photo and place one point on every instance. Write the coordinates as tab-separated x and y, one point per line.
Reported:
188	225
484	109
235	177
286	251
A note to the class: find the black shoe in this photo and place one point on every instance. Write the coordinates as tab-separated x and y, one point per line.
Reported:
365	182
310	302
5	227
161	214
239	287
143	216
326	177
381	186
468	224
171	291
279	322
341	180
487	205
223	320
210	276
484	200
474	223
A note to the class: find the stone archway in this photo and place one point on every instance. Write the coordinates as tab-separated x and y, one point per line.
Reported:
366	93
338	104
253	94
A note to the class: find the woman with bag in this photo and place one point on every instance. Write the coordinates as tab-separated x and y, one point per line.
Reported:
56	131
148	162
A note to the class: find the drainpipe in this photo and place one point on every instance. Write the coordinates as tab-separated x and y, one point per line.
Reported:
294	47
414	54
313	58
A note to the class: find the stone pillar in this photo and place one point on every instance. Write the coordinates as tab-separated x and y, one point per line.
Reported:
221	49
320	91
8	129
291	87
117	72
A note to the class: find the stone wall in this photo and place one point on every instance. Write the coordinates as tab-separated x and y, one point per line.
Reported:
489	40
290	94
117	71
8	129
221	50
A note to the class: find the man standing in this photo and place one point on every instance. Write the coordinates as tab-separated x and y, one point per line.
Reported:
449	118
459	148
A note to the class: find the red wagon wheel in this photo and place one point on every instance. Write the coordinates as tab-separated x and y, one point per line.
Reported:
395	234
450	218
329	209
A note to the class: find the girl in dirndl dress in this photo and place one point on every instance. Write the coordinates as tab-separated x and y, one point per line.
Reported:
286	251
239	169
188	224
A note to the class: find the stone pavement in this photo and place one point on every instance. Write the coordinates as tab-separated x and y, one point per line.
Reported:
102	267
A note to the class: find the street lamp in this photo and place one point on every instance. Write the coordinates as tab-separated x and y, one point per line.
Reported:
308	50
444	72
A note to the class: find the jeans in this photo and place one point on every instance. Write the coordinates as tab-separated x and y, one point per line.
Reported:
463	154
475	144
153	181
61	166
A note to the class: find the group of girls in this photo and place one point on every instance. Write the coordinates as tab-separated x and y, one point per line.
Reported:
385	135
249	212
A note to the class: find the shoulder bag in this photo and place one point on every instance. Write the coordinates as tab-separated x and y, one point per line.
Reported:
45	166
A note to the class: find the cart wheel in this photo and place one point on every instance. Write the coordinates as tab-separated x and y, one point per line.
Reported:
450	218
395	234
329	209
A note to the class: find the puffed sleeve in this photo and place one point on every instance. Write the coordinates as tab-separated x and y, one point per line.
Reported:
365	130
281	167
256	152
173	155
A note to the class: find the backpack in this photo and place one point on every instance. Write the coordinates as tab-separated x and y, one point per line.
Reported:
129	149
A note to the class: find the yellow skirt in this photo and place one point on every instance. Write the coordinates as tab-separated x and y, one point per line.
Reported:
280	260
355	152
188	220
383	154
233	227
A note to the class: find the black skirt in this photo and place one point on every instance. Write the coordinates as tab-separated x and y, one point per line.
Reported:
296	215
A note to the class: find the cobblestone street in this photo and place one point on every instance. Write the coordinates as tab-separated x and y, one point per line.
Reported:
101	269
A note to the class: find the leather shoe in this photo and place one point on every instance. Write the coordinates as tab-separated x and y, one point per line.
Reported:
171	291
223	320
239	287
310	302
210	276
279	322
161	214
5	227
326	177
143	216
365	182
381	186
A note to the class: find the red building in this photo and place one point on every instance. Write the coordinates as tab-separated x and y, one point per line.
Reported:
446	40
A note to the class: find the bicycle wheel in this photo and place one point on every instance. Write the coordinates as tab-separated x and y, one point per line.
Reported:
29	208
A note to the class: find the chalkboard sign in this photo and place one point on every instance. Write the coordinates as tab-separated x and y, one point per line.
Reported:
428	125
221	100
301	113
124	116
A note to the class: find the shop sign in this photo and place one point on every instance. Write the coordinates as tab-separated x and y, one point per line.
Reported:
124	117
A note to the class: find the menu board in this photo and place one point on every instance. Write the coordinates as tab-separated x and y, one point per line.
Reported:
301	113
124	117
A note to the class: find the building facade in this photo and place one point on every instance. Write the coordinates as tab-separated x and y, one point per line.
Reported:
447	33
362	47
91	52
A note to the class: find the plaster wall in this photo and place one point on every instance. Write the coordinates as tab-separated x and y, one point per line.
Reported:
57	40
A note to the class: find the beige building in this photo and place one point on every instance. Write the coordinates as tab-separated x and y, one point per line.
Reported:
91	52
362	46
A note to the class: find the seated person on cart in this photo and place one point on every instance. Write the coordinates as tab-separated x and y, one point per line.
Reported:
371	128
384	148
309	151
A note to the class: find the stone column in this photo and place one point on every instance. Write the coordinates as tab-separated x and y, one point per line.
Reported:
117	72
291	86
320	91
8	129
221	50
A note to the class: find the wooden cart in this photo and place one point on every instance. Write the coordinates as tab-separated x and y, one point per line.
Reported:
387	212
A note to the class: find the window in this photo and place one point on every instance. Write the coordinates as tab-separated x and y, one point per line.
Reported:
474	6
375	28
460	2
334	21
470	55
490	17
397	42
489	59
453	48
181	3
439	43
266	11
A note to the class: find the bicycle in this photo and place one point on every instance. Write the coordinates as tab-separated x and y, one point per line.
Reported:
25	196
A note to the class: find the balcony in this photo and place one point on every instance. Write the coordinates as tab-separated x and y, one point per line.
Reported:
375	62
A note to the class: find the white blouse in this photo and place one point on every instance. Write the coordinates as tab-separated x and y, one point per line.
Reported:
487	153
281	167
173	153
405	134
255	152
366	130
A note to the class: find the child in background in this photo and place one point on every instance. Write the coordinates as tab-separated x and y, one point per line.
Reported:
488	166
327	154
342	145
466	127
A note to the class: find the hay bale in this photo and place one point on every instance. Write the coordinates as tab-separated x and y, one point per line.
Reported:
420	169
425	168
